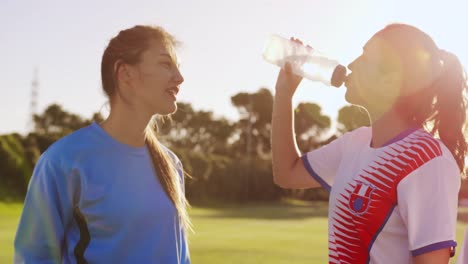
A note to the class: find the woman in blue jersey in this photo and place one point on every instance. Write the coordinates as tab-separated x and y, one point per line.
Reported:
111	192
394	185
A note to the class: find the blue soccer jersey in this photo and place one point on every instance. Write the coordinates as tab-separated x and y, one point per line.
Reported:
94	199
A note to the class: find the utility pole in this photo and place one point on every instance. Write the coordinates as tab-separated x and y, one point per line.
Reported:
33	102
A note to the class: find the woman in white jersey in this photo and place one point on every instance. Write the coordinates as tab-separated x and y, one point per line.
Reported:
393	186
110	192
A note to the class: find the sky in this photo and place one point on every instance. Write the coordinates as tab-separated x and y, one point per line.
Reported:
221	51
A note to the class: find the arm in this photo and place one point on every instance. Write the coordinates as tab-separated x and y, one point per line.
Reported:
39	238
288	169
440	256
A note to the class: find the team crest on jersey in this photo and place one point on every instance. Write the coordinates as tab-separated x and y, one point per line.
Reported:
361	197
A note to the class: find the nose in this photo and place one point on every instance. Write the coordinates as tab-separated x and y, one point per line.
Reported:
178	77
352	65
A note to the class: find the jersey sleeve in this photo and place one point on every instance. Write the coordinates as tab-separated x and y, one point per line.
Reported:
180	172
46	213
428	201
177	166
322	163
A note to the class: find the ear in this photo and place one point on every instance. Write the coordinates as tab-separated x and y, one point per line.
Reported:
123	73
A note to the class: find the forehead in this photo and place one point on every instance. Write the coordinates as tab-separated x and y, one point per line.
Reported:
159	49
377	44
383	49
396	45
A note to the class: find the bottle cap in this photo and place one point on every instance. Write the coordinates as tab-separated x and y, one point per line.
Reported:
339	76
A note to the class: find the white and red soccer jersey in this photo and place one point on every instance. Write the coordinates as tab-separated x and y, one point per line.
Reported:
390	203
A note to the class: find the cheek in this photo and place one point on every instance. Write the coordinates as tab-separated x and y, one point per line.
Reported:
153	82
362	89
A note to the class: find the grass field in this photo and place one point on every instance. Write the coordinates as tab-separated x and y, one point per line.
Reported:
257	233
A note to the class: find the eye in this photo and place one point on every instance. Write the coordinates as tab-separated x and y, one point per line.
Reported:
166	64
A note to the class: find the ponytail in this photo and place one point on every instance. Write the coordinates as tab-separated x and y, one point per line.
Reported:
439	104
166	172
449	112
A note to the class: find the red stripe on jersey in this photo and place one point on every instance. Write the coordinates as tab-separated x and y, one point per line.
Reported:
360	217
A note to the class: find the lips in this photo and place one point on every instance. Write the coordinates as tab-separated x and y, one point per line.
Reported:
348	80
173	91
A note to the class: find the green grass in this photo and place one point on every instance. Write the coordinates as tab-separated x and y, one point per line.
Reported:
9	216
260	234
256	233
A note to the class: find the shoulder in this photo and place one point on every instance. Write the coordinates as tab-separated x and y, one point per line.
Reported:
436	180
359	133
171	154
431	160
57	160
358	136
70	146
429	148
175	160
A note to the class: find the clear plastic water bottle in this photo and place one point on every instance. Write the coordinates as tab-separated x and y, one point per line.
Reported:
305	61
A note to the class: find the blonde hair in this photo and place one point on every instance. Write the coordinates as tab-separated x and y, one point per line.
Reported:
168	174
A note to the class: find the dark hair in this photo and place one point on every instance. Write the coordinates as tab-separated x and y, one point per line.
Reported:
440	105
127	47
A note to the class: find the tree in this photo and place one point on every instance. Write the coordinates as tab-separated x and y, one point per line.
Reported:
309	124
196	130
254	126
55	123
56	120
351	117
17	159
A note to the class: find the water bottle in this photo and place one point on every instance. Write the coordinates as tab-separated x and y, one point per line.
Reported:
305	61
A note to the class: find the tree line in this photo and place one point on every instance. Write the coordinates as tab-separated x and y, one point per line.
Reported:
227	161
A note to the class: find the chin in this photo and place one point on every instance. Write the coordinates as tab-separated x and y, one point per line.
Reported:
349	97
168	109
351	94
354	99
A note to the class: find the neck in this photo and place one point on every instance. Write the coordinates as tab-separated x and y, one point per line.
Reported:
126	125
386	127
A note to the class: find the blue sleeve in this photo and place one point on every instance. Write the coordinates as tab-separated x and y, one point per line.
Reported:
178	166
185	248
185	253
46	213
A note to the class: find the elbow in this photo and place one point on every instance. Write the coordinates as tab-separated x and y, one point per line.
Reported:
282	185
280	181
